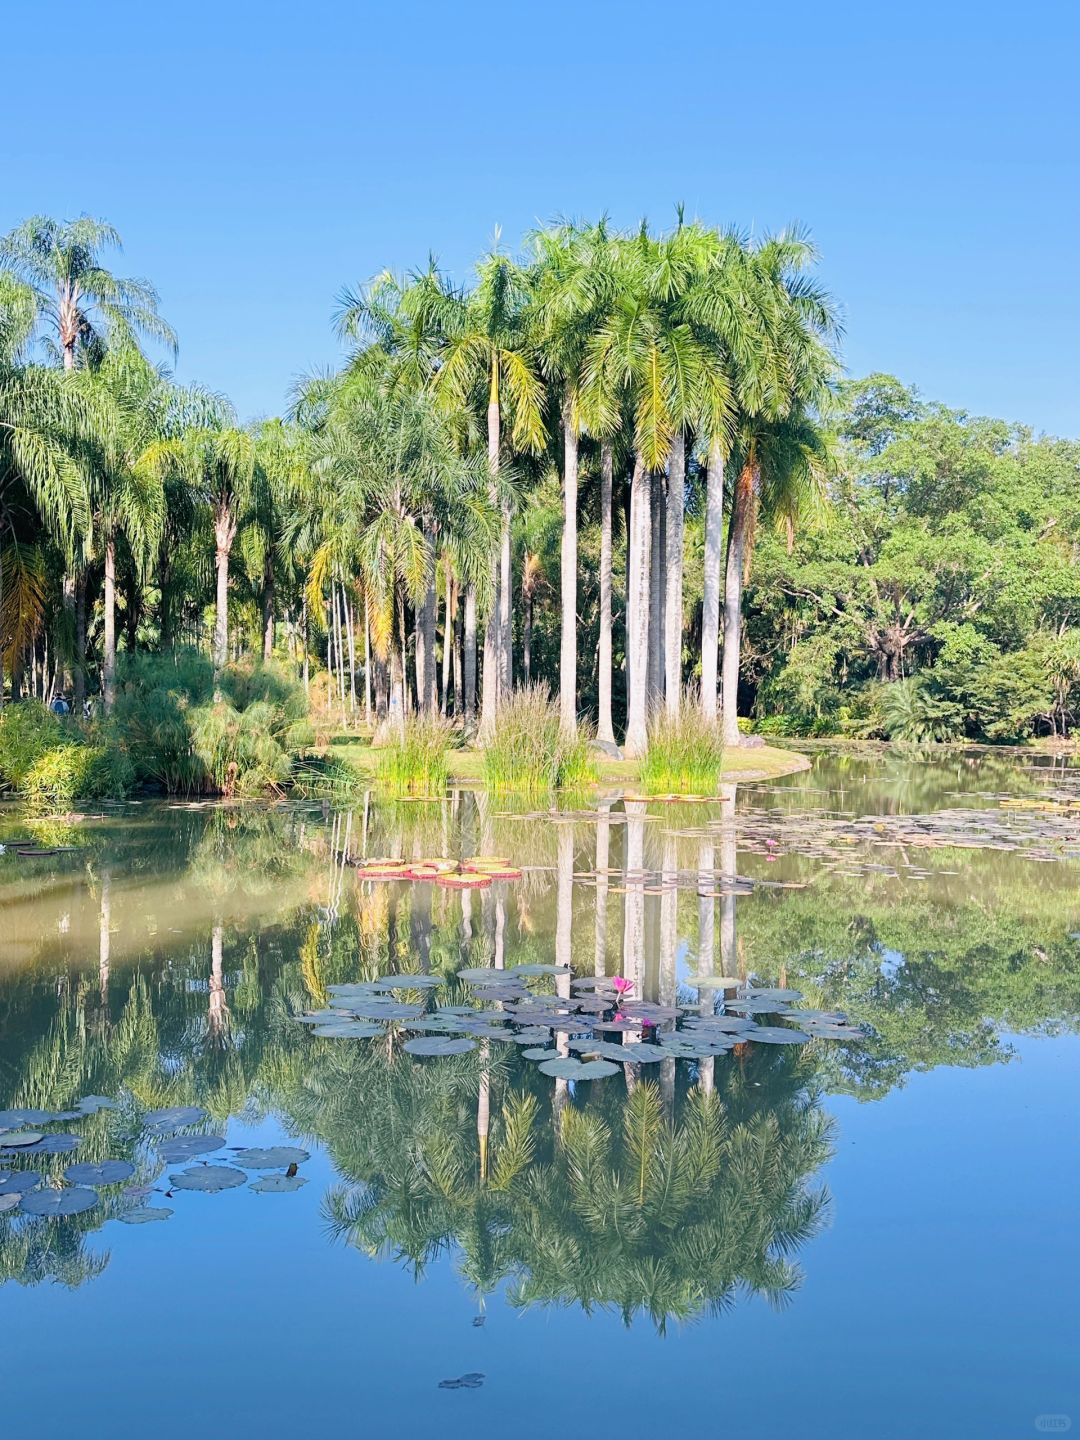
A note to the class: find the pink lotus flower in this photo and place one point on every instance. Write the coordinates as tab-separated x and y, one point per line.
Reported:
622	987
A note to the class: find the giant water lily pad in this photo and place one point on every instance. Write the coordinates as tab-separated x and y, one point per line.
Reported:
105	1172
71	1200
349	1030
91	1104
407	982
14	1118
209	1178
174	1117
18	1182
269	1157
477	974
567	1068
373	1010
9	1202
439	1045
546	1052
145	1214
531	1035
62	1144
188	1147
18	1139
778	1035
277	1184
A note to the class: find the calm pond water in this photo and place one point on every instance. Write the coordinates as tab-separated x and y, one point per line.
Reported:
868	1235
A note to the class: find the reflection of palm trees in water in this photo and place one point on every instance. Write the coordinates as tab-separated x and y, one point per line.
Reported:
218	1021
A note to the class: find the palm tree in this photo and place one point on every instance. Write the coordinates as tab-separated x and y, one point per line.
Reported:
574	288
85	306
486	351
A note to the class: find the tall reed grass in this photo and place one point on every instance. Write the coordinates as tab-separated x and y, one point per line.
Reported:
530	752
685	754
414	761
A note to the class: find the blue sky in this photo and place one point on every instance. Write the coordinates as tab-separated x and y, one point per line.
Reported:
257	157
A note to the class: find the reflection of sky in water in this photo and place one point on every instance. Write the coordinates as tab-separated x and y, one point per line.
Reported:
938	1302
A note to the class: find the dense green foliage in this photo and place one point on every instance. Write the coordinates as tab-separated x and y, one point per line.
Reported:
530	751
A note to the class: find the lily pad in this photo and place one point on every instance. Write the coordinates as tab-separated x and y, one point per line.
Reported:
51	1145
567	1068
18	1182
17	1139
277	1184
210	1178
188	1147
269	1157
91	1104
71	1200
771	993
9	1202
16	1118
349	1030
407	982
479	973
439	1045
778	1035
174	1117
145	1214
546	1052
106	1172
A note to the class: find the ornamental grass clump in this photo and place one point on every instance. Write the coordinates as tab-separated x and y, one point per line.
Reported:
529	751
413	762
685	754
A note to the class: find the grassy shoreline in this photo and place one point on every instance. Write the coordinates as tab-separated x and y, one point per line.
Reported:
464	767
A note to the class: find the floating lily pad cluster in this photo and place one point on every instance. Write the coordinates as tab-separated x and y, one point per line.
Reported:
35	1194
476	873
583	1035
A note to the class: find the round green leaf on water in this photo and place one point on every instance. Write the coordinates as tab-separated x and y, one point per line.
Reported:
71	1200
106	1172
18	1182
145	1214
277	1184
9	1202
187	1147
269	1157
174	1117
50	1145
439	1045
778	1035
17	1139
407	982
541	1053
15	1118
349	1030
209	1178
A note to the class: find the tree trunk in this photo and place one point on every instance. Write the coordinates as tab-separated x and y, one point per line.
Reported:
67	647
568	575
165	625
710	605
506	666
224	535
603	860
493	628
448	635
673	607
350	637
604	730
639	543
304	642
396	713
268	613
426	683
733	585
80	646
108	671
657	566
468	664
367	664
526	638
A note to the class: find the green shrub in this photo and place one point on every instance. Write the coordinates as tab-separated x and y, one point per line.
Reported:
530	751
27	730
414	761
183	739
914	712
73	771
327	777
685	754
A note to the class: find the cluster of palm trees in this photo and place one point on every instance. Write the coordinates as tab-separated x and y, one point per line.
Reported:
657	367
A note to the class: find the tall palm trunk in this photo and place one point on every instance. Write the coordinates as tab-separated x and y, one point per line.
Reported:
468	662
568	642
493	628
639	543
673	539
604	730
80	644
108	676
506	671
741	512
603	860
268	612
448	635
657	589
526	634
65	667
710	604
426	684
224	535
